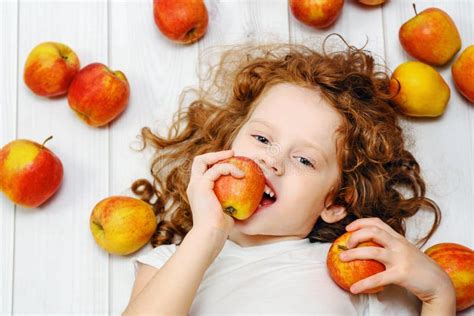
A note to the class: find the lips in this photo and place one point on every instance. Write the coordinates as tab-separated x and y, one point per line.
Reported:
267	182
267	199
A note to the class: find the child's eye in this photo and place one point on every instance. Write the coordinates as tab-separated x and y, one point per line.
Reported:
261	139
306	162
264	140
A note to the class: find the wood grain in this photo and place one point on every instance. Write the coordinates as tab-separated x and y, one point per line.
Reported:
8	112
58	267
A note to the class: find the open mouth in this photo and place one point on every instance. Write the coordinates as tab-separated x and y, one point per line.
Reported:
268	197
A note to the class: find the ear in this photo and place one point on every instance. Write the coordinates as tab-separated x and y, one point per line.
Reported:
333	213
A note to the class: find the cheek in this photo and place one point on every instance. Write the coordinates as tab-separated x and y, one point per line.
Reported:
308	194
239	143
243	146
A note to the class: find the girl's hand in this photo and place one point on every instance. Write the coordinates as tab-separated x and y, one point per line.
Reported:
206	209
405	264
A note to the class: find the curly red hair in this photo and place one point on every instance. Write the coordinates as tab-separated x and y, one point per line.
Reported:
374	164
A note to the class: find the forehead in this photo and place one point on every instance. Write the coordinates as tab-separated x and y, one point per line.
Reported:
297	110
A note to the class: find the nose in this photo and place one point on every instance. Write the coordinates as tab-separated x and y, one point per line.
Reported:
272	163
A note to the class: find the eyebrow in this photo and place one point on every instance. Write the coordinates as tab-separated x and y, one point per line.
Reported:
307	142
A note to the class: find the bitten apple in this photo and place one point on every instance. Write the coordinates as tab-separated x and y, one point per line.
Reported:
121	225
431	36
463	73
182	21
419	90
346	273
98	95
29	172
316	13
50	68
241	197
458	261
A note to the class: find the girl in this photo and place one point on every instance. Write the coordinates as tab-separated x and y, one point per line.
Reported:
322	128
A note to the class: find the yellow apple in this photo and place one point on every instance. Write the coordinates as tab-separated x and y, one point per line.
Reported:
419	90
121	225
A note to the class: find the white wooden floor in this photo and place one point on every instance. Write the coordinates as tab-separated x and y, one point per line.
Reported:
49	260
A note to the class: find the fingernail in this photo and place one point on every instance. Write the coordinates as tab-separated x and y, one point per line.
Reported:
342	256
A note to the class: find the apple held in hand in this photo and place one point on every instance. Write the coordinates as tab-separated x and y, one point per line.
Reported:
50	68
316	13
346	273
419	90
458	261
463	73
182	21
121	225
431	36
29	172
98	95
241	197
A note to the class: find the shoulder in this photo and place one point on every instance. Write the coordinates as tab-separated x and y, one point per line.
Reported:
316	252
155	257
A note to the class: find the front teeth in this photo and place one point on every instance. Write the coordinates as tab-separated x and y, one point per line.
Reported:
269	191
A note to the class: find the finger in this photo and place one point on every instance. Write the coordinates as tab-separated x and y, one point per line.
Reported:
371	233
365	253
201	162
213	173
379	279
371	221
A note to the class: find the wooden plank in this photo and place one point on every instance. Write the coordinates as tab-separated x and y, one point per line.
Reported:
233	22
357	24
8	106
157	70
58	267
442	145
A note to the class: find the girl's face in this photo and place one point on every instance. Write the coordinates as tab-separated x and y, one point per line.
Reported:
291	135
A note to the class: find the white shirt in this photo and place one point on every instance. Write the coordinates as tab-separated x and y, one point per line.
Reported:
286	278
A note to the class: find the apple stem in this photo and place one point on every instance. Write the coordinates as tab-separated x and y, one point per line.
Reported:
414	8
342	247
47	139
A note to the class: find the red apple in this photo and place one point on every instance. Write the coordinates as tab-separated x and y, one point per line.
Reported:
121	225
29	172
182	21
458	261
50	68
98	95
463	73
316	13
431	36
240	197
346	273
